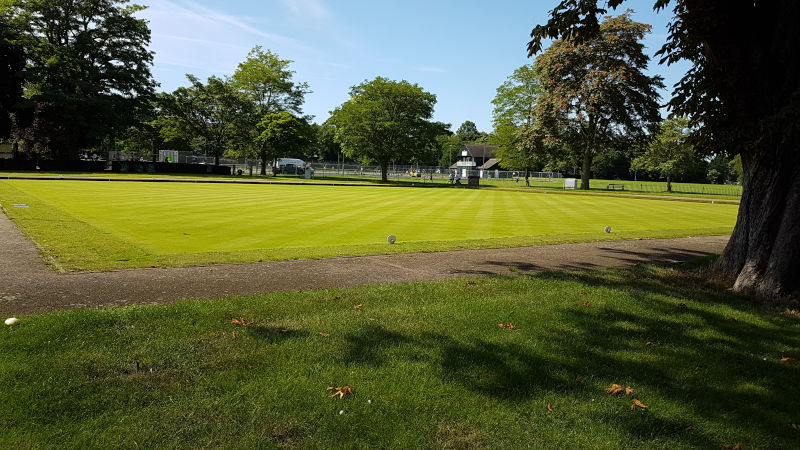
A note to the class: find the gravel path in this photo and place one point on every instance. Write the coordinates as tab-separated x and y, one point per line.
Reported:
28	286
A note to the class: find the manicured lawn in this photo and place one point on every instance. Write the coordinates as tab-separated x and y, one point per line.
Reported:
83	225
428	365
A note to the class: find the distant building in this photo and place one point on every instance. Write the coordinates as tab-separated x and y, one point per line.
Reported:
484	156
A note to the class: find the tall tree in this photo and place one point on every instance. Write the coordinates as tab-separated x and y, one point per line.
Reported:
512	118
468	132
282	133
596	92
215	112
525	151
385	120
88	69
266	80
669	154
743	94
12	64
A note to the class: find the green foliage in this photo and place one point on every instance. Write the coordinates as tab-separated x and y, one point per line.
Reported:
595	91
327	147
450	149
215	112
515	99
670	154
12	64
283	134
267	81
88	70
468	132
385	120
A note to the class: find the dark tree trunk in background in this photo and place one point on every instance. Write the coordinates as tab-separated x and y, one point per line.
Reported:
587	168
263	163
527	175
669	183
384	171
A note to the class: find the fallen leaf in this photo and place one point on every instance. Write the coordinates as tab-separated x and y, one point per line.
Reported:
341	391
241	322
736	446
638	403
469	283
789	360
580	379
549	407
587	303
509	325
359	307
616	389
249	366
324	334
689	428
682	305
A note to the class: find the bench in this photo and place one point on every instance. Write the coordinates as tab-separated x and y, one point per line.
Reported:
615	187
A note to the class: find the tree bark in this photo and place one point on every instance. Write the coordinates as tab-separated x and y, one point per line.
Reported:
763	256
587	167
669	184
263	163
384	171
527	174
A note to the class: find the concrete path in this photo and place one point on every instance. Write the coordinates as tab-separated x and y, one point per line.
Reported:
28	286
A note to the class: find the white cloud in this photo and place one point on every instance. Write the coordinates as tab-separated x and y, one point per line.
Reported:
308	9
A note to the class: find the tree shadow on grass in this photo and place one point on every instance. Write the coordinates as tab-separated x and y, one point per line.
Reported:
698	358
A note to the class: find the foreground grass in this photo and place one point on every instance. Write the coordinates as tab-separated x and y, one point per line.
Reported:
427	362
83	225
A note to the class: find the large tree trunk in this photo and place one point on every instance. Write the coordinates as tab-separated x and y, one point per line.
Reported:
753	50
263	163
587	167
384	171
669	184
763	254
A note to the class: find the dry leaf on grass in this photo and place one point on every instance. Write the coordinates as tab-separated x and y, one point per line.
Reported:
689	428
587	303
469	283
549	407
359	307
789	360
509	326
616	389
341	391
580	379
241	322
324	334
736	446
637	403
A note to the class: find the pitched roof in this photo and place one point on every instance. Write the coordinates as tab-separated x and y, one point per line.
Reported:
481	150
489	164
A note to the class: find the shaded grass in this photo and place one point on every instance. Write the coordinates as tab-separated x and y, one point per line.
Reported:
100	226
429	357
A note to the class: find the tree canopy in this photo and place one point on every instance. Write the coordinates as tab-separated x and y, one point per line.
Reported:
385	120
669	153
88	69
283	133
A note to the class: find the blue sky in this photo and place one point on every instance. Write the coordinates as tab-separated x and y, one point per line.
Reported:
459	50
